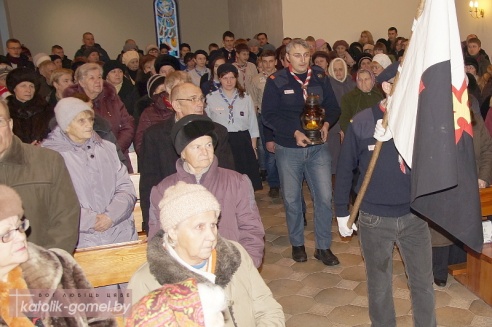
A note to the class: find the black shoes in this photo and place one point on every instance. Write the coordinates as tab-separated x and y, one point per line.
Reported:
274	192
263	174
440	282
299	253
326	256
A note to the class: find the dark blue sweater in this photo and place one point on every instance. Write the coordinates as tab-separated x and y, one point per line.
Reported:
388	194
283	103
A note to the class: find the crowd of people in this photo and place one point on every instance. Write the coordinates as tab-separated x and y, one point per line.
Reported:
208	128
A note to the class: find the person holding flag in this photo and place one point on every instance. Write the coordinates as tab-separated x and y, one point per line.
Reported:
430	121
429	117
385	219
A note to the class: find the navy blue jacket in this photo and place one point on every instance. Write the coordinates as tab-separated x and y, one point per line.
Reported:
283	103
388	194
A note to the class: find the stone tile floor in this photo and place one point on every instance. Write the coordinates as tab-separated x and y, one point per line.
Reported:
313	294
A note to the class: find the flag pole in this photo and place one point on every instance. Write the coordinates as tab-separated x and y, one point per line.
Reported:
379	144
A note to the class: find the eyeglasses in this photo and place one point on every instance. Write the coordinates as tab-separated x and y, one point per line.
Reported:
300	55
194	99
4	122
9	236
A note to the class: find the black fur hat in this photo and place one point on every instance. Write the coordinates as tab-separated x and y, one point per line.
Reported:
191	127
19	75
166	60
110	65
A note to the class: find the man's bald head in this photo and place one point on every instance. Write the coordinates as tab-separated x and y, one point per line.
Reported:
182	90
187	99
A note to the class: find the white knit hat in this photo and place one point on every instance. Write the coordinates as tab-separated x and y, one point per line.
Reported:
382	59
67	109
40	58
129	56
183	201
150	47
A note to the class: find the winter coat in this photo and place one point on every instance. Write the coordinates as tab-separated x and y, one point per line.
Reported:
66	63
240	219
22	61
31	118
340	89
102	185
57	269
250	300
483	62
128	95
48	197
101	126
158	159
109	106
355	101
103	55
143	103
157	112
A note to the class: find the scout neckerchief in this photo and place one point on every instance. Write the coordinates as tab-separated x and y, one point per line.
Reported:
306	82
230	105
242	69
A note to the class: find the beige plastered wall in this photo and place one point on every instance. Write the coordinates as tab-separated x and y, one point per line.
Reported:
40	24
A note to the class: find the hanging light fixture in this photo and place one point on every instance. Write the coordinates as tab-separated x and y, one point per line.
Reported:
474	11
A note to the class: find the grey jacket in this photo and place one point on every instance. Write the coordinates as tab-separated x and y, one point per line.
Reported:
102	184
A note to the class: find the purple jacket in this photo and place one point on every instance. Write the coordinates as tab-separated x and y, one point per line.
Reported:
239	220
102	184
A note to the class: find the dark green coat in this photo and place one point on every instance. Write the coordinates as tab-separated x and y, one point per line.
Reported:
355	101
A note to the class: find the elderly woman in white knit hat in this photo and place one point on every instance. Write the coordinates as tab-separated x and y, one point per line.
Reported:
189	247
26	266
131	60
105	191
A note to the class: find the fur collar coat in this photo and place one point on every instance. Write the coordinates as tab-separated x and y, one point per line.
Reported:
251	302
52	269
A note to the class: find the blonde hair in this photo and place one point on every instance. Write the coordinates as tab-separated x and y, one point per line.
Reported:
57	73
175	78
370	39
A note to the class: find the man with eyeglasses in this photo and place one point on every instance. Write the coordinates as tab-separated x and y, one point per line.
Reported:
15	56
158	156
42	180
283	102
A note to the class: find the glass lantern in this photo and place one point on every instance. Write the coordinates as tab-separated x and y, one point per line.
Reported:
312	119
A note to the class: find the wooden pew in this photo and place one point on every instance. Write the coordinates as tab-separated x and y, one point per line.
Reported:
112	264
476	273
